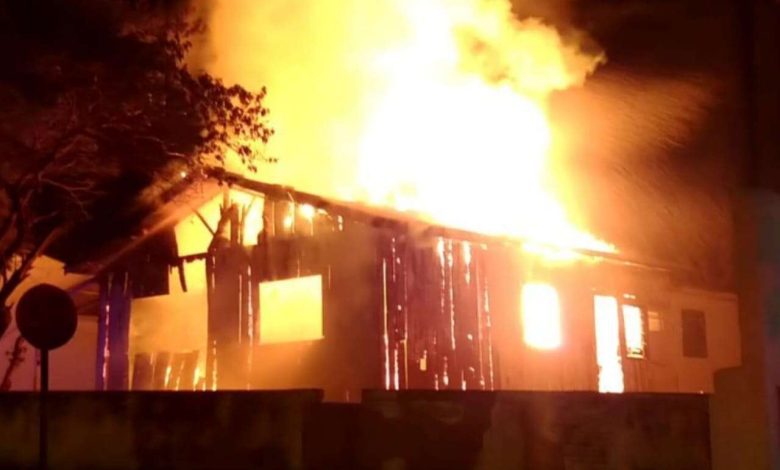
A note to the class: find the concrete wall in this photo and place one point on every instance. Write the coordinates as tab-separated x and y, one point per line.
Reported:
413	430
157	430
532	430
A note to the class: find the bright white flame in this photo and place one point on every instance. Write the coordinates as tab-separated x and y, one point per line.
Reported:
541	313
634	331
437	107
307	211
608	344
196	378
288	222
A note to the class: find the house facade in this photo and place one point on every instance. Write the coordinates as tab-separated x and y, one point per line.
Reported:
254	286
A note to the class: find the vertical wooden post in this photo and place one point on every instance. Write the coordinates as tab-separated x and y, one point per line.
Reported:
227	273
101	363
112	362
485	319
119	332
43	431
224	324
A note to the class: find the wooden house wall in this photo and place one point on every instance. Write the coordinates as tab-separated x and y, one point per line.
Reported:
436	314
347	359
406	310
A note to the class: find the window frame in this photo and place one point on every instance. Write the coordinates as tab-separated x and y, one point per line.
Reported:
687	351
627	352
526	340
632	301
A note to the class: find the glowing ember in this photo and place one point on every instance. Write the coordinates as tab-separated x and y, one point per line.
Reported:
541	313
608	344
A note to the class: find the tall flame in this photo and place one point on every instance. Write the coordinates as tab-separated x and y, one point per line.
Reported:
432	106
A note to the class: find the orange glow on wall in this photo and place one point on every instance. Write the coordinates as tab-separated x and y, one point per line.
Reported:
176	323
608	344
192	234
634	331
541	315
291	310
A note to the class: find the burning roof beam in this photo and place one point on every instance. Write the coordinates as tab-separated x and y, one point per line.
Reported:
406	222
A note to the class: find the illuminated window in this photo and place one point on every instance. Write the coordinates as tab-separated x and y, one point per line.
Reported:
291	310
608	344
541	315
634	331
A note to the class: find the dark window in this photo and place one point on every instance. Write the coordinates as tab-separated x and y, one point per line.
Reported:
694	333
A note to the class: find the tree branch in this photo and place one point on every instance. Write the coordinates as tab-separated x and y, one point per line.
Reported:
18	221
21	273
10	220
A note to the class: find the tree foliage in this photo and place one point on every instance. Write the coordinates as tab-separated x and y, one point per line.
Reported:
95	98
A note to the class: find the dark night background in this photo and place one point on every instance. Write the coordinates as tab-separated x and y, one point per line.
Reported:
663	137
678	121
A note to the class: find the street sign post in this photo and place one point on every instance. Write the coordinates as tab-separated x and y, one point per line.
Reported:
46	318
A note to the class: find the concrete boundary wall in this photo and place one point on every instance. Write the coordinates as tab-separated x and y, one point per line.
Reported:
410	429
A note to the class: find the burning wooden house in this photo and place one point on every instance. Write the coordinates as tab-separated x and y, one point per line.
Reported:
248	285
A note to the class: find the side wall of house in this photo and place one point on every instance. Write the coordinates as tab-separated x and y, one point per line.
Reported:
665	365
418	311
72	366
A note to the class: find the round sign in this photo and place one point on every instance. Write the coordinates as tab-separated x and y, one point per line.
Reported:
46	316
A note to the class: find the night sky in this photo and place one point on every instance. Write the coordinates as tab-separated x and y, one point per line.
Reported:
660	135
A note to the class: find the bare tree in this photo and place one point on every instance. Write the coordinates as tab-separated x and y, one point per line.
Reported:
94	94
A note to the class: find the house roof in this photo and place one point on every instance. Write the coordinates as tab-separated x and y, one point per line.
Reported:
187	197
414	223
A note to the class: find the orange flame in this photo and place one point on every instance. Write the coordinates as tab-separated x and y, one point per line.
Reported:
432	106
608	344
541	316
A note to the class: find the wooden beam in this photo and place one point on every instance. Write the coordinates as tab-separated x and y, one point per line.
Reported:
414	223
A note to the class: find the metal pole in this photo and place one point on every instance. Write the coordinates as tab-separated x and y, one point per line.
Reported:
42	425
